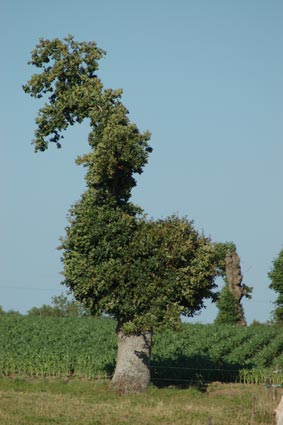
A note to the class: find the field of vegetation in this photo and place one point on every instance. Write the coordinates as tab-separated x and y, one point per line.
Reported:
86	348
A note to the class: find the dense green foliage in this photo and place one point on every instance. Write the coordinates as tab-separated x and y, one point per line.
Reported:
276	277
228	307
86	347
145	273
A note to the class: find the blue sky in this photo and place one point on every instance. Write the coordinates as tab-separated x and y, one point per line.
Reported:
205	77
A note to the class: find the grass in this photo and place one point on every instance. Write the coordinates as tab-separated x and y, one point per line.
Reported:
77	402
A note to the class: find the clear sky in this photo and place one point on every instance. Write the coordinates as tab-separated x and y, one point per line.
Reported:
205	77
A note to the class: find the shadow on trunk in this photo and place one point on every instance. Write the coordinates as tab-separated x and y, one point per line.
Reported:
132	372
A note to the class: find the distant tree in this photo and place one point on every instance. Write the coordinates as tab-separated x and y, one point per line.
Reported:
61	306
276	277
68	308
9	312
144	273
229	301
44	311
13	312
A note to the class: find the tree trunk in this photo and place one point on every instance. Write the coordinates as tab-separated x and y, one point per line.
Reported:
132	374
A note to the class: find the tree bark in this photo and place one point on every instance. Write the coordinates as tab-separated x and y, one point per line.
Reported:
132	374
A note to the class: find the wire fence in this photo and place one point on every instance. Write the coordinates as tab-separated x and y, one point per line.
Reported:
201	377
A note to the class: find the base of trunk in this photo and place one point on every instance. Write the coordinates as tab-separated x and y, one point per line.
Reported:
132	374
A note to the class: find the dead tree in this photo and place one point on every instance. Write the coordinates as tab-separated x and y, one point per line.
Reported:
234	280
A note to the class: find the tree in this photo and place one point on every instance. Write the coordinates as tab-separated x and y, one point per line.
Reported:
276	277
229	301
144	273
61	306
228	306
44	311
10	312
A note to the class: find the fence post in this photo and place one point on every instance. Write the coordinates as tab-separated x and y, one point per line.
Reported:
275	386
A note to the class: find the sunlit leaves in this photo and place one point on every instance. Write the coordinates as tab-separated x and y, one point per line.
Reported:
68	78
145	273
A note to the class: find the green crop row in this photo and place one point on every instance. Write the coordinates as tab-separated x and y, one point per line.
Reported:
55	347
86	347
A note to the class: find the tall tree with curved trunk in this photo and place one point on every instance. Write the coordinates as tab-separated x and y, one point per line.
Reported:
144	273
276	277
229	301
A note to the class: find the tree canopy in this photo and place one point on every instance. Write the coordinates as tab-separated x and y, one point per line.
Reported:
118	149
143	272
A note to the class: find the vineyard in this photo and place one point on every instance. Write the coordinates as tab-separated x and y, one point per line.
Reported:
86	348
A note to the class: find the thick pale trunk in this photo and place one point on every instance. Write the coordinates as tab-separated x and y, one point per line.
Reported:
279	413
132	374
